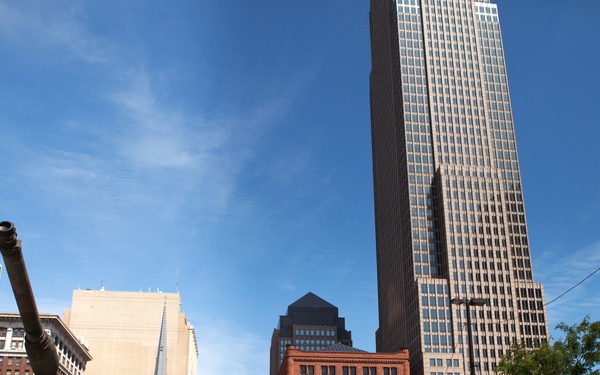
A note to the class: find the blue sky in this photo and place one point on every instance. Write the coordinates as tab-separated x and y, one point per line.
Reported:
229	143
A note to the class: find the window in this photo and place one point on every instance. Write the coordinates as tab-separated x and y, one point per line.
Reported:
307	370
328	370
18	332
16	344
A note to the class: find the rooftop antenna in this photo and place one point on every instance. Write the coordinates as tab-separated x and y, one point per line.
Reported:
102	280
176	280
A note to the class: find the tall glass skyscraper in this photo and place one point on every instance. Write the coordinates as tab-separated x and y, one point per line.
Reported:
449	212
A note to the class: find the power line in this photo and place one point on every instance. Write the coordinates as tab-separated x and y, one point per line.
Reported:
571	288
574	286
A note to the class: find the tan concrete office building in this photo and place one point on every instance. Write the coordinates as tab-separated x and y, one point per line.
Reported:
122	330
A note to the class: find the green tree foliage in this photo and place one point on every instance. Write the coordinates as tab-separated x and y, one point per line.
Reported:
543	360
577	354
581	347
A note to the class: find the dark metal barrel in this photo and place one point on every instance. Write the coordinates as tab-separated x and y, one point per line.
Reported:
38	344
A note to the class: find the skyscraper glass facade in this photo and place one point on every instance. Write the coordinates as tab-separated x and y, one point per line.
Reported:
450	217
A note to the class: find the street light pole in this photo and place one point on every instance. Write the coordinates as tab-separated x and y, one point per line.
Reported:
470	333
469	303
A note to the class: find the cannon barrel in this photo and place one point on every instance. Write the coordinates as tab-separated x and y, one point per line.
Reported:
38	344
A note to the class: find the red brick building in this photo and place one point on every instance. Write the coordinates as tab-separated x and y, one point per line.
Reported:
343	360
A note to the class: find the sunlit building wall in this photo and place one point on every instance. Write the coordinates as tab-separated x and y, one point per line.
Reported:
122	331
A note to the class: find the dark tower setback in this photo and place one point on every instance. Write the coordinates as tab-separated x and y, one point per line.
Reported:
311	323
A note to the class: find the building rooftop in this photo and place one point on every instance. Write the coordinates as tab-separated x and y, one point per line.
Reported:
312	300
342	348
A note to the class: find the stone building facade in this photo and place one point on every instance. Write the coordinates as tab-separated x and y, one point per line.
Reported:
72	355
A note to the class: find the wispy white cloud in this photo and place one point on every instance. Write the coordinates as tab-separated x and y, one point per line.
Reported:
141	153
592	211
287	285
50	26
563	266
294	164
150	135
561	269
226	348
145	138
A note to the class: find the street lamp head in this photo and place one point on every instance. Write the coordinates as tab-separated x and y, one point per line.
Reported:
477	302
470	302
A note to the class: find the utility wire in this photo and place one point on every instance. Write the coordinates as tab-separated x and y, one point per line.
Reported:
574	286
570	289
